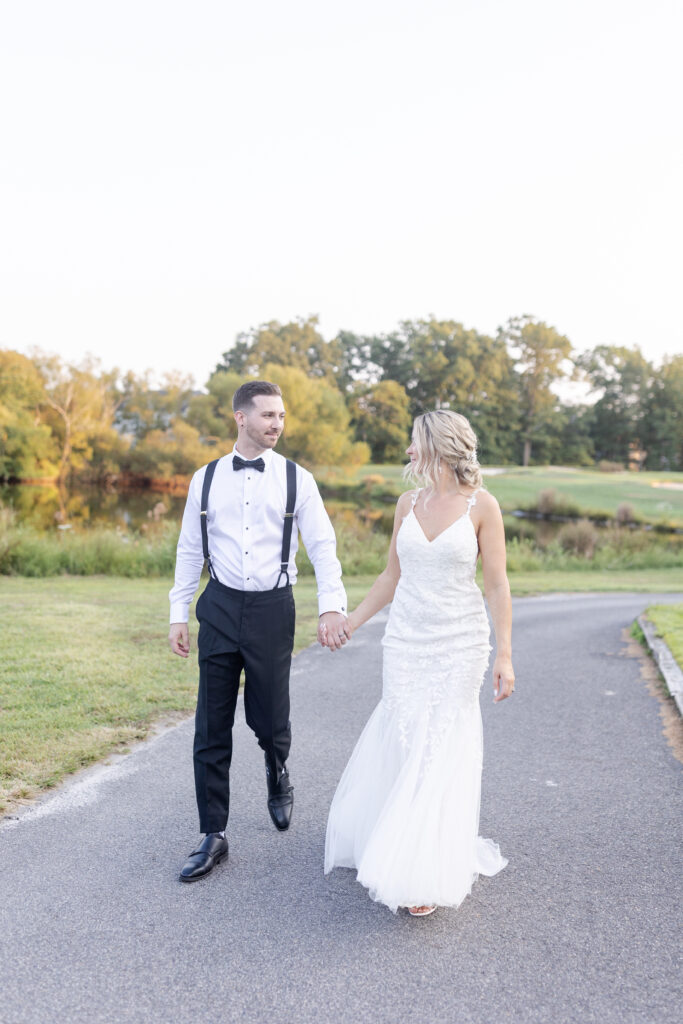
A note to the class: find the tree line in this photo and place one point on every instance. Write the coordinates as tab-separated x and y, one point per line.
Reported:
349	400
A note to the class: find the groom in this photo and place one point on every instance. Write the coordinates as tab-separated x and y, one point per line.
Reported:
239	517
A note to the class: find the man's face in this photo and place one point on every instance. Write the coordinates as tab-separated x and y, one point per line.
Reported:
263	422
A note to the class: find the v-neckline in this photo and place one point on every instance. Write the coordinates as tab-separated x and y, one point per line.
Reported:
464	515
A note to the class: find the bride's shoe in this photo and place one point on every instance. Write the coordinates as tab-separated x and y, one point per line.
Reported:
421	911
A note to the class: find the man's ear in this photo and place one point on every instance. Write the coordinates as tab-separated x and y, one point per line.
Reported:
239	418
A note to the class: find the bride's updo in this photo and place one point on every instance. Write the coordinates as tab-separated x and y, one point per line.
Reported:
444	437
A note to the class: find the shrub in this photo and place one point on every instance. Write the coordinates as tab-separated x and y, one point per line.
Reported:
546	502
625	513
579	538
550	503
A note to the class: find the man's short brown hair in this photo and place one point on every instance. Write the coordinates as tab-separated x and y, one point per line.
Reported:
243	398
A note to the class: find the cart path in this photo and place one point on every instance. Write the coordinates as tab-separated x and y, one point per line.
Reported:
580	789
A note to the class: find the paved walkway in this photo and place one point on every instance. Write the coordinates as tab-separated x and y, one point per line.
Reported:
580	789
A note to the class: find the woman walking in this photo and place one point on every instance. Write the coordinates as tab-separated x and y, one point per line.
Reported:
406	811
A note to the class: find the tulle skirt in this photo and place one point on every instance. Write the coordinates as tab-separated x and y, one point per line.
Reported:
406	812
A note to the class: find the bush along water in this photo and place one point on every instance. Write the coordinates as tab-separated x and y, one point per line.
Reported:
362	547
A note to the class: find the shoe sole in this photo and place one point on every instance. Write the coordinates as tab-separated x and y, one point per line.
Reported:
197	878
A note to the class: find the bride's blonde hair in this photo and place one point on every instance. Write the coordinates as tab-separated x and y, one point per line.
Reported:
444	437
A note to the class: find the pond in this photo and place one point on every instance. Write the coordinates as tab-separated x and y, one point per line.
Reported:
48	508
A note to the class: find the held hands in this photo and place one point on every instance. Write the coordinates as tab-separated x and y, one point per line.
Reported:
334	629
503	679
179	639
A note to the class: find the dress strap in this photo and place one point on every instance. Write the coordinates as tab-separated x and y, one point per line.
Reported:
416	495
472	500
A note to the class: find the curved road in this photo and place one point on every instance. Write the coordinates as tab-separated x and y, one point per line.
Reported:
580	789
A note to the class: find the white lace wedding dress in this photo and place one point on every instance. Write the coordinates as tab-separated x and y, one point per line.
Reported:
406	811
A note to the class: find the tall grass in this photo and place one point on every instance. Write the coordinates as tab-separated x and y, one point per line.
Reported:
108	552
362	550
101	551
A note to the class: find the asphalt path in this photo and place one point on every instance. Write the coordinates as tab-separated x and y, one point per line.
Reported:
580	789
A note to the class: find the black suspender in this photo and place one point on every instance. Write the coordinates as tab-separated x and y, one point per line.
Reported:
286	530
289	519
208	477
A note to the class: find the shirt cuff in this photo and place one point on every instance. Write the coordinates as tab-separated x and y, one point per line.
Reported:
180	612
331	603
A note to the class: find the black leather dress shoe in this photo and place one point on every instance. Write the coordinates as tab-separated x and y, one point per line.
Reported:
280	797
210	852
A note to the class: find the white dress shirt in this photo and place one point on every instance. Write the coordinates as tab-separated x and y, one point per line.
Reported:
245	520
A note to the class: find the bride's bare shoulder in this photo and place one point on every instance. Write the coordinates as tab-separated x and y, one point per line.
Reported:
487	504
404	503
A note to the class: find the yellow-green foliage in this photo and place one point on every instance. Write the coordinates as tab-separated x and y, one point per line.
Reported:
317	424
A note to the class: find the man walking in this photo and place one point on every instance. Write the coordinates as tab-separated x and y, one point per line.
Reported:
239	516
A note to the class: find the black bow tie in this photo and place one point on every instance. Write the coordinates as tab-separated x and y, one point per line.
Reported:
257	464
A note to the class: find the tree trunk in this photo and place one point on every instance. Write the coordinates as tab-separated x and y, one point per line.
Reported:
526	458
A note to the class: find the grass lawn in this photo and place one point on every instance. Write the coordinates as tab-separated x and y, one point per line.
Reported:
86	666
595	493
668	620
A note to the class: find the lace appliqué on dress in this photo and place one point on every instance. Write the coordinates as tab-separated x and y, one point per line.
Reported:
437	638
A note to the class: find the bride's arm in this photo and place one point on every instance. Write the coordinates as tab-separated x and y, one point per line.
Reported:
491	537
382	590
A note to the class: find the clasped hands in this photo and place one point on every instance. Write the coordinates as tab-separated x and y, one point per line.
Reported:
334	629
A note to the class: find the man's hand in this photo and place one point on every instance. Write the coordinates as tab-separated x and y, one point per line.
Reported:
333	631
179	639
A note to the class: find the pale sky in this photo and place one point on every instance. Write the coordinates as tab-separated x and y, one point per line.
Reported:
173	173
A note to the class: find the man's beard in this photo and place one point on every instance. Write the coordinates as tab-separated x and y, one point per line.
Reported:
263	440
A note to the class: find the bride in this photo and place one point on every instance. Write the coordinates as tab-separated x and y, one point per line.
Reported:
406	811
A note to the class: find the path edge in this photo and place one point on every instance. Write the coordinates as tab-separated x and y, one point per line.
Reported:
666	663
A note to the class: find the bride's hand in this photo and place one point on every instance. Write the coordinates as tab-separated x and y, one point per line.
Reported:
333	630
503	679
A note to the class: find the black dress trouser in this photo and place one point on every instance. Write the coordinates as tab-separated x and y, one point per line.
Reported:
254	631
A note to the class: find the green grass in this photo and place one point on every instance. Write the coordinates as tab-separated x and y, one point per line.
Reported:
668	621
87	669
595	493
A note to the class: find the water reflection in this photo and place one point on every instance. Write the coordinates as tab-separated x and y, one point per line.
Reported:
49	508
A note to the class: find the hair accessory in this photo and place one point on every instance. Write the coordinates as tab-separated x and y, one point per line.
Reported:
472	456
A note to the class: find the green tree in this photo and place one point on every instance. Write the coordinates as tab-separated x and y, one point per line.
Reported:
356	365
441	364
212	413
78	405
564	437
317	424
622	377
161	454
141	407
662	426
27	448
541	355
381	416
298	344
